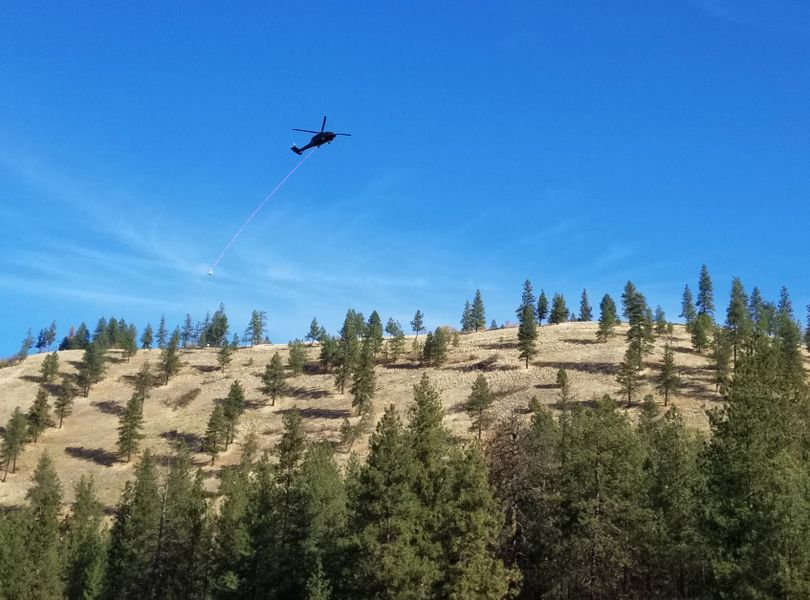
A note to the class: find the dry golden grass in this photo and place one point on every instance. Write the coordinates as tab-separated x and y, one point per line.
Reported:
179	411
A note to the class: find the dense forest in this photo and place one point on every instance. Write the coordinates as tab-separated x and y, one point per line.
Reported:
581	499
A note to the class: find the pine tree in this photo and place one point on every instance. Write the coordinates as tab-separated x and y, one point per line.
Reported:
363	381
291	446
146	337
323	494
187	332
559	311
417	323
660	321
274	382
169	364
13	441
297	358
668	380
396	345
130	342
607	318
585	311
675	564
756	311
629	376
738	319
435	350
347	350
15	564
542	307
374	333
50	334
526	298
92	368
386	518
755	464
162	333
466	317
84	547
393	328
478	404
720	355
527	335
232	545
318	587
45	501
216	333
39	415
232	408
258	323
328	356
688	311
225	356
478	314
788	337
112	333
50	367
701	329
639	318
705	297
82	338
565	396
314	334
470	531
129	427
215	433
134	535
64	399
25	347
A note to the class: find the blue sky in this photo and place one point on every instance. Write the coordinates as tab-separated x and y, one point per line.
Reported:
578	144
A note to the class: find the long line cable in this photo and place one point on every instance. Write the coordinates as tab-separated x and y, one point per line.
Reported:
256	211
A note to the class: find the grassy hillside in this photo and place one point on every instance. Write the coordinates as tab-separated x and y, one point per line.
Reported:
179	411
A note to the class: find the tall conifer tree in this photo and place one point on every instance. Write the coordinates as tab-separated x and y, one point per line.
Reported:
705	297
607	318
542	307
527	335
45	502
274	382
585	311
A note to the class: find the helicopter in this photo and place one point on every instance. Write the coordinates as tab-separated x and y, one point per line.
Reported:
320	138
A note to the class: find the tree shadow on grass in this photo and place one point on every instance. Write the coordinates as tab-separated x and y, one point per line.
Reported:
580	341
306	393
406	366
488	364
600	368
108	407
100	456
683	350
207	368
192	441
546	386
320	413
500	346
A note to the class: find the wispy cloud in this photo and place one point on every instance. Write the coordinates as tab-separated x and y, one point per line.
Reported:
781	16
616	253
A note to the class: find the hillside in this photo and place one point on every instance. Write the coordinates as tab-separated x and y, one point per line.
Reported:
87	441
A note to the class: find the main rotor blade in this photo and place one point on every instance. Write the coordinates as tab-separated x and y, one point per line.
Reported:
324	124
306	130
346	134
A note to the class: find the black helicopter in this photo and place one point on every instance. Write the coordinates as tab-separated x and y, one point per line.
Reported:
319	139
